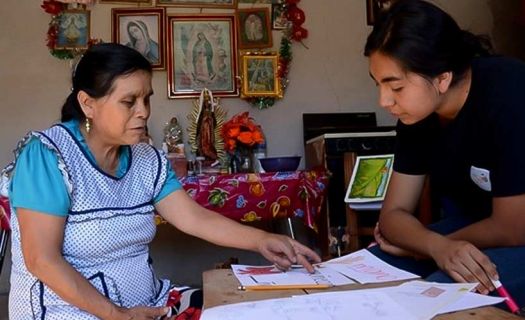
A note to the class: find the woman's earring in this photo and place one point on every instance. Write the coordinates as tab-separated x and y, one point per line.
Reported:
88	125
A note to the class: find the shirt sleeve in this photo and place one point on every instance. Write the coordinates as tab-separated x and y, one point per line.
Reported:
171	184
37	183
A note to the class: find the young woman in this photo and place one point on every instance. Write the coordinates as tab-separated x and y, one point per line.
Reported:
84	192
461	123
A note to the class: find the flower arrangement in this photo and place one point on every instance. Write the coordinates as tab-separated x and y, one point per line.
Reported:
241	134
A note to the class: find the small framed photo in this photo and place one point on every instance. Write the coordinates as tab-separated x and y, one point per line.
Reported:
141	29
279	20
374	8
259	75
127	1
73	30
202	53
254	28
224	4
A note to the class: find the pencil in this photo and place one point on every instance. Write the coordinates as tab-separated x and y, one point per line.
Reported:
283	287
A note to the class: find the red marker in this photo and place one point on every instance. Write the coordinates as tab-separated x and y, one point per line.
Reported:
505	294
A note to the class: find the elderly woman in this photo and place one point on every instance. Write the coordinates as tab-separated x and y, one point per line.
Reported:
83	193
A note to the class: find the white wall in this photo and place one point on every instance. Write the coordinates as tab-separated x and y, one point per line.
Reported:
330	76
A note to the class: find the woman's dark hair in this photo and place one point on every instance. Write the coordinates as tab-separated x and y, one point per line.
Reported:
425	40
96	72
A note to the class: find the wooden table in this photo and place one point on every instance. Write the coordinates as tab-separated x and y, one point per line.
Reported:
220	288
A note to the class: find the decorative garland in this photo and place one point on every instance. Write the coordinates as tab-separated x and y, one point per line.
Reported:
56	9
293	32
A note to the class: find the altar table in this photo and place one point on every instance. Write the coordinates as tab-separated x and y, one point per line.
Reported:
249	197
220	288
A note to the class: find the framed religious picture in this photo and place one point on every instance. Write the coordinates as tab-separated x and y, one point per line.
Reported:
279	20
254	28
260	75
374	8
224	4
127	1
141	29
202	54
73	30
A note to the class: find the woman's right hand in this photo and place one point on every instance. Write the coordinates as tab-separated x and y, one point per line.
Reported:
140	313
462	261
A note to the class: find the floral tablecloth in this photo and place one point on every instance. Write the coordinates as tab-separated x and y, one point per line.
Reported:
249	197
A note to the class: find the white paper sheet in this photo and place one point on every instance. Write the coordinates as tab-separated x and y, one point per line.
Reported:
364	267
427	299
348	305
417	300
471	300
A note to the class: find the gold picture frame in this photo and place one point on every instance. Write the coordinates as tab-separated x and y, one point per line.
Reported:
260	76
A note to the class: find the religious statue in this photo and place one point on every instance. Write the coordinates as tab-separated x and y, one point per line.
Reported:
205	123
206	129
173	136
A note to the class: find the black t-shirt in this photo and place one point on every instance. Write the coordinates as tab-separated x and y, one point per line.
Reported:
484	143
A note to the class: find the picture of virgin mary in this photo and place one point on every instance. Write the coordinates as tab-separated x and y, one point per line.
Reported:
202	59
140	40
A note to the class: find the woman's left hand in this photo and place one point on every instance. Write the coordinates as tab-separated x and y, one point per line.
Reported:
284	252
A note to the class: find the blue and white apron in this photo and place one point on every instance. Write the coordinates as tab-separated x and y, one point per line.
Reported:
108	229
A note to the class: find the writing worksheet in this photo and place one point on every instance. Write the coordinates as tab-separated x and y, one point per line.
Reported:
364	267
268	276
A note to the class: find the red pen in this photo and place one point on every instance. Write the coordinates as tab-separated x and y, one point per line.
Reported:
505	294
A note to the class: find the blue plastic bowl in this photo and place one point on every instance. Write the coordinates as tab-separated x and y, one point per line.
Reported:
274	164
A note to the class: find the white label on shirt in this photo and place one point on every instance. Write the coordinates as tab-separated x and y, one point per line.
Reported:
481	178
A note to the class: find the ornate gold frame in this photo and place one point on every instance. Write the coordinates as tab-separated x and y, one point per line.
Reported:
252	83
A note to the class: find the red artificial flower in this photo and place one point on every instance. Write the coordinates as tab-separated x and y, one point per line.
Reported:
296	16
51	37
299	33
52	7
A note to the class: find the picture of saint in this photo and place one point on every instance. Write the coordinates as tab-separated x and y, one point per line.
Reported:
279	20
73	30
140	40
202	59
261	75
253	27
